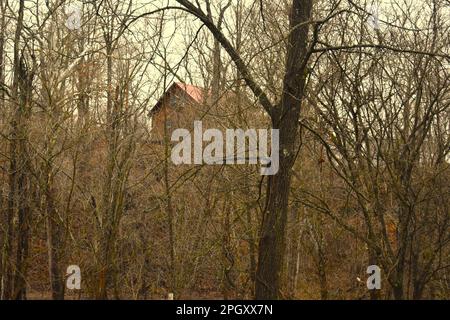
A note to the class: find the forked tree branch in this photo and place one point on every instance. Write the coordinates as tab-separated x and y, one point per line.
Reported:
226	44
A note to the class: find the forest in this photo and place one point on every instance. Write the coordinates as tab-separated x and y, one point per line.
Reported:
347	100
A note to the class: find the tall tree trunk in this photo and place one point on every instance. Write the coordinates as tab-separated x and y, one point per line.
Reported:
24	185
285	118
54	244
228	280
107	224
322	273
169	209
117	171
252	247
3	213
2	55
23	226
17	178
292	254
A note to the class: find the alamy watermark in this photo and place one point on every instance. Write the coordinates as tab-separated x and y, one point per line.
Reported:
373	21
73	274
235	151
73	12
374	280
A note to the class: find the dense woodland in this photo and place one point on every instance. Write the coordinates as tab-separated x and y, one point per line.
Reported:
362	103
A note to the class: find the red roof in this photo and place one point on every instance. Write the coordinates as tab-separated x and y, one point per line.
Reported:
194	92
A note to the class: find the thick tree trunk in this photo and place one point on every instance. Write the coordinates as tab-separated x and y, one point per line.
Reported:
18	177
23	185
272	242
286	119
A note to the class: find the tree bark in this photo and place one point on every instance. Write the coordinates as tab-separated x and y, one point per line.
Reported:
18	166
54	245
286	119
2	54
